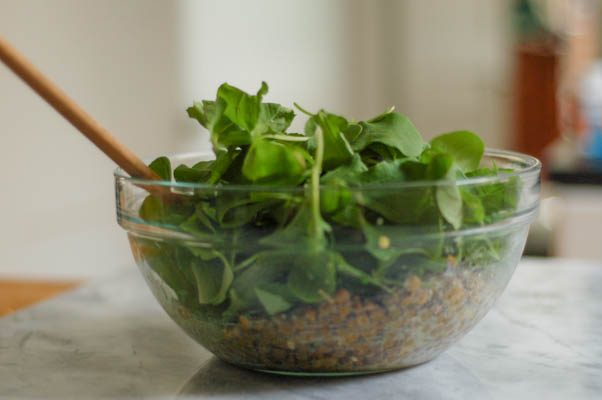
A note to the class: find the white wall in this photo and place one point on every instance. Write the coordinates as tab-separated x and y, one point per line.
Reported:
118	60
137	64
300	47
451	65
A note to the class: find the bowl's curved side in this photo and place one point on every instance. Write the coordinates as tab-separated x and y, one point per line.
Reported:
397	274
354	332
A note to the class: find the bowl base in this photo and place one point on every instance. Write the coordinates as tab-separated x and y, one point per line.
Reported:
308	374
337	374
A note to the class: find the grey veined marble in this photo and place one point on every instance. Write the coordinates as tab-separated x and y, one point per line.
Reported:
110	340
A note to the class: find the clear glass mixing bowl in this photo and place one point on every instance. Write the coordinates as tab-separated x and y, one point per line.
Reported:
223	285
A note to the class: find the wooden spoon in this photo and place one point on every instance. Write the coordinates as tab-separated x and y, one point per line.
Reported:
73	113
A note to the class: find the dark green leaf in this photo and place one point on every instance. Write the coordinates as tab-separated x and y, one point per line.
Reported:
162	167
298	233
198	227
273	303
378	243
200	172
221	164
213	279
352	132
413	205
346	269
235	209
313	276
347	199
266	269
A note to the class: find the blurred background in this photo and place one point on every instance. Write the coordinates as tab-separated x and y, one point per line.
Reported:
523	74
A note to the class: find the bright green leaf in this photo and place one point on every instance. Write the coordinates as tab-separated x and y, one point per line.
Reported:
449	202
337	150
269	161
465	147
391	129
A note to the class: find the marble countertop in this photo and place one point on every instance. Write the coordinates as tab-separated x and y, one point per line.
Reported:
111	340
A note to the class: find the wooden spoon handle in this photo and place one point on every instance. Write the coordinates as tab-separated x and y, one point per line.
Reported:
73	113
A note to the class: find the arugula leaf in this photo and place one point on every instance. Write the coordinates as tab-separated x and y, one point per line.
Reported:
300	232
349	172
266	269
199	172
224	132
411	206
223	161
337	150
378	243
496	198
212	280
197	227
162	258
268	161
241	108
335	195
273	303
274	118
465	147
383	172
349	225
237	209
312	276
204	112
153	209
473	210
346	269
232	117
162	167
393	130
449	201
440	166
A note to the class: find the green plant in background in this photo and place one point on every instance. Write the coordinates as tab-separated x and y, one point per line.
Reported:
340	213
529	21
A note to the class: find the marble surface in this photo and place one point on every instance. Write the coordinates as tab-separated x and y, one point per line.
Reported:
111	340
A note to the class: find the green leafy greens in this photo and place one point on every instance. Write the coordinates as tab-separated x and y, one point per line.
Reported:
325	209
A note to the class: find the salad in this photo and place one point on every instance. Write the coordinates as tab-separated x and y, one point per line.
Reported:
301	247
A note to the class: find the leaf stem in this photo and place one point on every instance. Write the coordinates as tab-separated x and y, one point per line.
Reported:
316	171
304	111
288	138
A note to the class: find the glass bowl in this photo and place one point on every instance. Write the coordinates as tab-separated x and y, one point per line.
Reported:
387	296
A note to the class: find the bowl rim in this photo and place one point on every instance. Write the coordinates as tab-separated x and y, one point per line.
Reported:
532	166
